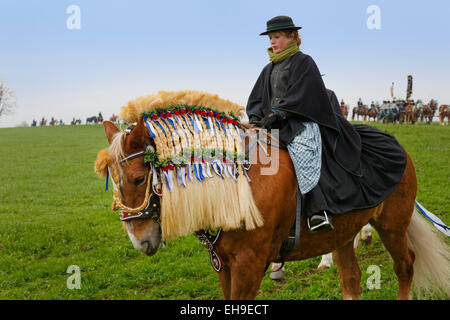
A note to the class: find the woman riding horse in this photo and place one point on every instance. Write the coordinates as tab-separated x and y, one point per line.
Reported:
290	95
356	170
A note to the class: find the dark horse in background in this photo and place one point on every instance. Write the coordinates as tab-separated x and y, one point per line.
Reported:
409	239
95	119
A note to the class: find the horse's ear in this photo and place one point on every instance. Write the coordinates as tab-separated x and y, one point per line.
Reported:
110	130
139	133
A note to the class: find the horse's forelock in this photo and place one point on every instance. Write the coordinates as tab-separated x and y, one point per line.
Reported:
116	148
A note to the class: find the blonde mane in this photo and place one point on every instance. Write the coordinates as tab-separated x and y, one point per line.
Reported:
215	201
162	99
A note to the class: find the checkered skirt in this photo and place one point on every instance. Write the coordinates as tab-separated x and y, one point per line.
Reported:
306	154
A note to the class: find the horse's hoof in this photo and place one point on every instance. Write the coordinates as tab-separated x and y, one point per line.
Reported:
277	275
323	266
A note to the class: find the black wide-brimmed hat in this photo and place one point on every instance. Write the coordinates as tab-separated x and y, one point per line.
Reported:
280	23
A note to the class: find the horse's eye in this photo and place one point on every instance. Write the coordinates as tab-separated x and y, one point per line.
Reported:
139	181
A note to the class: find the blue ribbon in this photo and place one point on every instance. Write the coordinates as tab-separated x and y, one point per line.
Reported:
200	167
419	206
150	133
196	173
206	122
194	125
107	178
159	125
186	121
173	125
223	127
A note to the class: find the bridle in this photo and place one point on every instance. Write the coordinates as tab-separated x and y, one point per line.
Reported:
150	207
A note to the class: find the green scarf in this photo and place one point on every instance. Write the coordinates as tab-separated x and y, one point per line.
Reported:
290	50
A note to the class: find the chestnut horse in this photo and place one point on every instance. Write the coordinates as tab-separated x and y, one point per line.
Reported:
355	111
444	112
363	111
245	254
373	113
344	110
409	114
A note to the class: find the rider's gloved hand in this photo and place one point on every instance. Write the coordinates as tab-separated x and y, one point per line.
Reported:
273	120
254	119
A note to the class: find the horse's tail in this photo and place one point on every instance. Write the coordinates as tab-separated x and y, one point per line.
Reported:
432	254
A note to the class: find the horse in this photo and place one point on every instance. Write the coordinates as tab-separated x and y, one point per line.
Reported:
43	122
428	111
75	121
245	253
363	111
355	112
93	119
373	113
53	122
344	110
444	112
113	118
409	114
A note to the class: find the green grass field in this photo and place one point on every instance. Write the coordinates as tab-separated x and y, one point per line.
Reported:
55	213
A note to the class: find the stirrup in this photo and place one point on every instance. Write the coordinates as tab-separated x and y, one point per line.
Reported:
325	225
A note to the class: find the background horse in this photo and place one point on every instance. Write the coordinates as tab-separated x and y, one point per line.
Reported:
373	113
75	121
53	122
444	112
363	111
415	248
344	110
92	119
95	119
409	114
113	118
355	112
429	110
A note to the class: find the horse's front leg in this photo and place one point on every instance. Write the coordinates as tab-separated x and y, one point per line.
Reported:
225	282
247	272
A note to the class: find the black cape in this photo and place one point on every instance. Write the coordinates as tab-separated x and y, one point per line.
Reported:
361	165
306	99
383	161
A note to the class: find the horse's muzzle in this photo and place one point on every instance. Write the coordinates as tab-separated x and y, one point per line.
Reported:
148	249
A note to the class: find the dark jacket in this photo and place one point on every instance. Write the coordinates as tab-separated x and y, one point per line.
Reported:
361	165
305	98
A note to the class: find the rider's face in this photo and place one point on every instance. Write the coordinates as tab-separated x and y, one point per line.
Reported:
279	41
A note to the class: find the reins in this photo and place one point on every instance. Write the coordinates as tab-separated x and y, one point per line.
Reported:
133	156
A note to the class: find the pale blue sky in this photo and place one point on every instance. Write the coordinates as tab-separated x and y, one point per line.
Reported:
126	49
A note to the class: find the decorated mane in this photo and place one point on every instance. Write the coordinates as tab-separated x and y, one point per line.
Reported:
199	160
